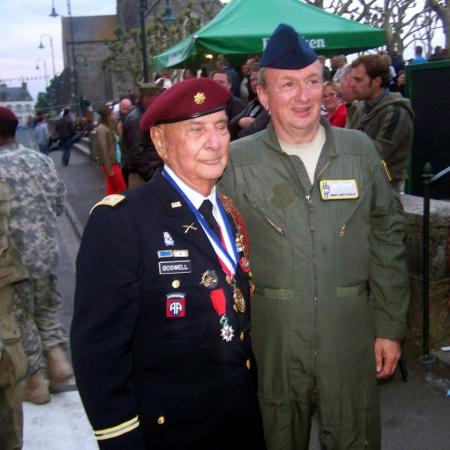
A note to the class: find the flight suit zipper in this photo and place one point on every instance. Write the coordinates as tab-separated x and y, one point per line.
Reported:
316	339
266	218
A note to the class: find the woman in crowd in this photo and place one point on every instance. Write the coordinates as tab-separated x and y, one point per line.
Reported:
105	138
336	111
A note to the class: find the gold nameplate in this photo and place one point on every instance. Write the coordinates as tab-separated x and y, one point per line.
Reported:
338	189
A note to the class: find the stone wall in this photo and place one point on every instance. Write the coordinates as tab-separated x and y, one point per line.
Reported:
439	293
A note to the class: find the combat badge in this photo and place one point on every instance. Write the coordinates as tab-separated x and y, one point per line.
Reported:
168	239
209	279
176	305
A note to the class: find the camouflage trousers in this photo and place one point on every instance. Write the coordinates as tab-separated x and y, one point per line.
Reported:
11	417
37	304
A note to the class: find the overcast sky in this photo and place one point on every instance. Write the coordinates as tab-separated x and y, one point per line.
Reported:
22	24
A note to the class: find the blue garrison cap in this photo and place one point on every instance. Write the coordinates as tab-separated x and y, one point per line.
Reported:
287	50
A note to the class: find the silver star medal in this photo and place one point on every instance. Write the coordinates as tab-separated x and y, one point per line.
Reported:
168	239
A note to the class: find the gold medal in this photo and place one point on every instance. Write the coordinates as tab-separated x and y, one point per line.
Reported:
239	300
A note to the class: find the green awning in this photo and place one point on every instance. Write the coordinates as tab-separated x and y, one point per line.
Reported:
242	28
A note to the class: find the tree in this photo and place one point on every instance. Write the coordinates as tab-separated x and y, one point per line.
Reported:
125	51
442	9
55	94
402	20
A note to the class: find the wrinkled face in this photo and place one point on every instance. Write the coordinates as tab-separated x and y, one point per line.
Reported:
331	99
222	79
364	87
294	99
196	149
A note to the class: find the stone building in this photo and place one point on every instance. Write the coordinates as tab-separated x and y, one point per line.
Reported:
18	100
93	81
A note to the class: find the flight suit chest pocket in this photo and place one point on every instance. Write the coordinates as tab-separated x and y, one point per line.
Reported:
270	248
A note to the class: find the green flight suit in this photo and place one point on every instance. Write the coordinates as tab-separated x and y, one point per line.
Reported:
314	319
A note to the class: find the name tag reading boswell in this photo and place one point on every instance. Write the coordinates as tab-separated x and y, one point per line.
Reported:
172	267
338	189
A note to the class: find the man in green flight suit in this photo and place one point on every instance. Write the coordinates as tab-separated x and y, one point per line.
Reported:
326	244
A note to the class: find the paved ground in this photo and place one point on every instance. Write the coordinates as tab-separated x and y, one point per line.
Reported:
413	417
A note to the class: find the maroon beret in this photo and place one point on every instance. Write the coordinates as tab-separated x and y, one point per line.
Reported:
6	115
186	100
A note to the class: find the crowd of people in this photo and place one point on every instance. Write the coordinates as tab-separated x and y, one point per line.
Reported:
161	342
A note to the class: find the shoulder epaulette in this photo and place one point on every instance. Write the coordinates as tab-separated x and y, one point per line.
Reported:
110	200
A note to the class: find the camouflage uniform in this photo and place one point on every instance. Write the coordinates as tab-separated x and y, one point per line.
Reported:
13	362
38	199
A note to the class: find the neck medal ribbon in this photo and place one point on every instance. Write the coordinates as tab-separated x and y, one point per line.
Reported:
226	252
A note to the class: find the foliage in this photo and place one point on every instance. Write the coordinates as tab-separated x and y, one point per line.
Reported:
49	100
404	21
125	51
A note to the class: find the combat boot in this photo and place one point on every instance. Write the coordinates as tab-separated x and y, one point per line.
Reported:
36	389
59	369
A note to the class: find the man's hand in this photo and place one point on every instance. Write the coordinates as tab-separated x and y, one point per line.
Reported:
245	122
387	354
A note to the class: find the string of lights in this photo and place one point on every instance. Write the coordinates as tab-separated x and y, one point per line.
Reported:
33	78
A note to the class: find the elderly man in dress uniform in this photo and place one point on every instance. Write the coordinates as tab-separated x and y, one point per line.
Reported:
161	329
326	233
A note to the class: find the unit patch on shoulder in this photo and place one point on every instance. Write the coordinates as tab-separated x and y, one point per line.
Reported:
110	200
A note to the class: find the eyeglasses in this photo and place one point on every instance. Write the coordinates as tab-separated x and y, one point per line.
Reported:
330	95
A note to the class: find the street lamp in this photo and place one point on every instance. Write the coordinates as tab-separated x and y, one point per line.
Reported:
74	70
41	46
143	13
45	70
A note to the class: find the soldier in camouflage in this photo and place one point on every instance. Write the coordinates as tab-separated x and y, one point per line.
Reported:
13	362
38	195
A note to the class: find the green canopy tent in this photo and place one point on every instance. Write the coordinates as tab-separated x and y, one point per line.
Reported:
242	28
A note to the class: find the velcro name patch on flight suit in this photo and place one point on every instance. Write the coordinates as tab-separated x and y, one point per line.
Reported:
110	200
338	189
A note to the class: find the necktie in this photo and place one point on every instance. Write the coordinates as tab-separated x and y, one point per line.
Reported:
206	211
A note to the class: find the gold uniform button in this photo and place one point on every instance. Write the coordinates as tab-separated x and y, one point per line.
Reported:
161	420
242	336
248	364
176	284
